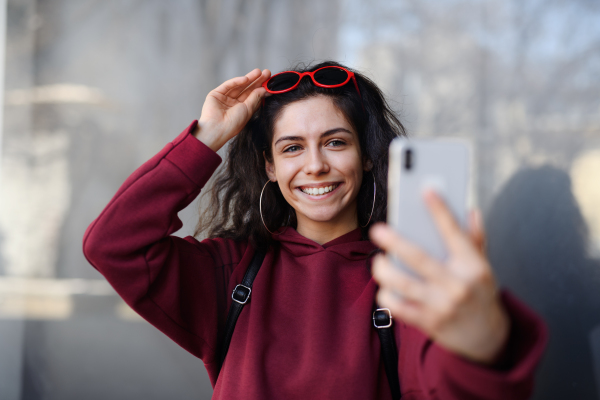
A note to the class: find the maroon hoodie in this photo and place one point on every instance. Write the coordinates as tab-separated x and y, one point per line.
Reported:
307	331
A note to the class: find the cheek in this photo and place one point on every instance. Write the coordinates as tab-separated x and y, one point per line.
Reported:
286	172
351	167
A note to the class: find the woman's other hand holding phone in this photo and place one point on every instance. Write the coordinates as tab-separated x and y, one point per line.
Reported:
455	302
229	107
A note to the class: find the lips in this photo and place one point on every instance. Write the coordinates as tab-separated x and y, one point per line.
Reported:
319	190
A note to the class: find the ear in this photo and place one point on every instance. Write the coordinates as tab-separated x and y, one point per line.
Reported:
367	164
270	169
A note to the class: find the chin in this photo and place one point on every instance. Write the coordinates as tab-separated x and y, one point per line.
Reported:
322	215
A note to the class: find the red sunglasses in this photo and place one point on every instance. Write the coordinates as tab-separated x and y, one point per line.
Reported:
325	77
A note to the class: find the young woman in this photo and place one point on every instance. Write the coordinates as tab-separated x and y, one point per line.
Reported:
305	178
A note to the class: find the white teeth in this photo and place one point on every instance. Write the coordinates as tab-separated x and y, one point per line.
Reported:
319	191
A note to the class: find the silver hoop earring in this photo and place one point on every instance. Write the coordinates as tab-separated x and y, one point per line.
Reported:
260	208
373	207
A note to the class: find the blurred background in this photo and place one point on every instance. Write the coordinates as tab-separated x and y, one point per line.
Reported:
92	89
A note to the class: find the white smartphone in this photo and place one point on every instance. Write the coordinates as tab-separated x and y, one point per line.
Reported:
418	164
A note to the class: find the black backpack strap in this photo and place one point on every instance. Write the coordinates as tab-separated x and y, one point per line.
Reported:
382	319
240	296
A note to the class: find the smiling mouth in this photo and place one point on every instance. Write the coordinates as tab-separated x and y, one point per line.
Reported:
320	191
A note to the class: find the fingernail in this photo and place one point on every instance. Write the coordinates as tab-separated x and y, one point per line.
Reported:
478	218
430	194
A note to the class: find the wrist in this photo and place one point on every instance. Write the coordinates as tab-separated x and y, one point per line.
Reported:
499	330
208	136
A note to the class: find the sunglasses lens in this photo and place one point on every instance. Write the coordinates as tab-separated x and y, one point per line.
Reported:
282	81
331	76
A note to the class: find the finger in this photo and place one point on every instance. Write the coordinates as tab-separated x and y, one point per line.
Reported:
254	99
401	309
251	76
264	76
476	229
387	239
389	276
451	232
241	81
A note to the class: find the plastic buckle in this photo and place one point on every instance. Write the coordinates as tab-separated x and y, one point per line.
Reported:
383	315
241	294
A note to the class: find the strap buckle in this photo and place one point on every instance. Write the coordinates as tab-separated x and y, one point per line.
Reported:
382	318
241	294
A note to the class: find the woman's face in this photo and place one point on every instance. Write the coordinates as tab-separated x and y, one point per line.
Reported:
317	163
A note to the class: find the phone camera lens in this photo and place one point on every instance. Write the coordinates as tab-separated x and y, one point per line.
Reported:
408	159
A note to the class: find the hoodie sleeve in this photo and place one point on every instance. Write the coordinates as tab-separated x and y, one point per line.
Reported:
178	285
445	375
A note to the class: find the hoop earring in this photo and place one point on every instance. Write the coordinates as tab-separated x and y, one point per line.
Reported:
260	209
373	207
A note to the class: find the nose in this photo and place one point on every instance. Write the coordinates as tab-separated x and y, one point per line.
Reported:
315	162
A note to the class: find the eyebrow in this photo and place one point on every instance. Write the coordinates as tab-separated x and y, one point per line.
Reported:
324	134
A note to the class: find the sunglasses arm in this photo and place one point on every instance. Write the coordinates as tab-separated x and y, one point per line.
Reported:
359	95
356	86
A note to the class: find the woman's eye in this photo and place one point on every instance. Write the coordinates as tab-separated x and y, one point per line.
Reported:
291	149
336	143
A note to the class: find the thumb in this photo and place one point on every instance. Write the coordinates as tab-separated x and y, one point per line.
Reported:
476	230
254	101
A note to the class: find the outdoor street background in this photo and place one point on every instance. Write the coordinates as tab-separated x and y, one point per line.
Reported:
93	88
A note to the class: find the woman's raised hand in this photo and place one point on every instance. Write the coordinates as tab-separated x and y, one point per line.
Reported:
455	302
229	107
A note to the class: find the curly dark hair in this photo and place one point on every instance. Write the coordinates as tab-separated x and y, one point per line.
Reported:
233	210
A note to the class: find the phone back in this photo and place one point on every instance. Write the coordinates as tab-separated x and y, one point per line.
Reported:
419	164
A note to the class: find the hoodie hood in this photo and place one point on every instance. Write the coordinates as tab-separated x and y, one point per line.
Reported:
349	245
